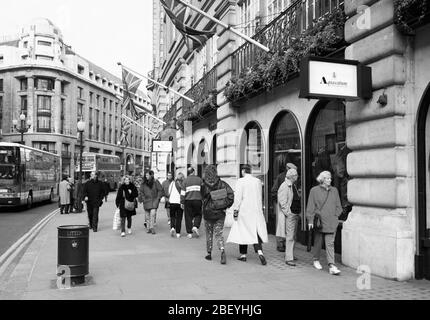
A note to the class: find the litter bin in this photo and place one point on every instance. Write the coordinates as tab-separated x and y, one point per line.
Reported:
73	252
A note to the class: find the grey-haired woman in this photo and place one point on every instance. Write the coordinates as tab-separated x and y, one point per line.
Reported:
324	200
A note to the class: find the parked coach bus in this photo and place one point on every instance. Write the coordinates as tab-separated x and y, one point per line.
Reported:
27	175
108	166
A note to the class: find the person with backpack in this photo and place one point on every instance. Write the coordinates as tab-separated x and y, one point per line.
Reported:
249	226
217	196
125	201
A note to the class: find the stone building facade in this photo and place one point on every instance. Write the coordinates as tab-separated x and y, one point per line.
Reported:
54	88
377	149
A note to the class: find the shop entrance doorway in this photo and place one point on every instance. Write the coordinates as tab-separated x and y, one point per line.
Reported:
422	258
326	150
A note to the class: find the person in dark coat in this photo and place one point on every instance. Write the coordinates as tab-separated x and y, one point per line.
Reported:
128	191
93	195
107	188
72	194
150	193
214	210
324	200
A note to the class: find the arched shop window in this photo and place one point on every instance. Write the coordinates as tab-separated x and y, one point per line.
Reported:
202	157
327	150
284	147
253	150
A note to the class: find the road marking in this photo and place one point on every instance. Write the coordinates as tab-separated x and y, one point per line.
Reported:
15	249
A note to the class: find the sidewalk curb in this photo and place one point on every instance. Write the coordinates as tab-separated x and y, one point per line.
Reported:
16	248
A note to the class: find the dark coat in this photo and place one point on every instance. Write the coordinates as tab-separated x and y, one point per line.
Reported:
329	212
94	190
150	196
209	212
131	194
106	187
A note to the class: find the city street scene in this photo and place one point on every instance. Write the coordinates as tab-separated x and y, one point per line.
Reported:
213	151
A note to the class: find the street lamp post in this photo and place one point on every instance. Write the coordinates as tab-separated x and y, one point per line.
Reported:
24	127
81	128
124	157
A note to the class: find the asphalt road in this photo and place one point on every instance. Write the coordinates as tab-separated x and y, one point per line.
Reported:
15	222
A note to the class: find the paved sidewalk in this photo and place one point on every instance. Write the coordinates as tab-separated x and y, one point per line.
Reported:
146	266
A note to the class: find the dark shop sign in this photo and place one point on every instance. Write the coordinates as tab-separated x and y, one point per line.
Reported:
325	78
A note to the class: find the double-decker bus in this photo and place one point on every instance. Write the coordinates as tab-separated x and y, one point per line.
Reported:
27	175
106	165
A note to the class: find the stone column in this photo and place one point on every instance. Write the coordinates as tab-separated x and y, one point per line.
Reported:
31	104
379	232
227	156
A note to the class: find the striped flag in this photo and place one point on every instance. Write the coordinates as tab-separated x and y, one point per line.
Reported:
179	14
130	83
125	127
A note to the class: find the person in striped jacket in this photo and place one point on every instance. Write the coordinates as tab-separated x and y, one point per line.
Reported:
191	198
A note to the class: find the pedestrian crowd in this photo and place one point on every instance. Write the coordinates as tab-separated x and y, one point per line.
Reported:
208	198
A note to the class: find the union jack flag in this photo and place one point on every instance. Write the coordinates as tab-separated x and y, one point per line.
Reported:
179	14
125	127
130	83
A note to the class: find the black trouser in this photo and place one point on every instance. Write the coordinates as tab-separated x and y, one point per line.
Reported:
64	207
176	213
193	214
123	223
93	215
243	248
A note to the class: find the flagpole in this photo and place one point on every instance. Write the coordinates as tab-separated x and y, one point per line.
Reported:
158	83
146	112
138	124
226	26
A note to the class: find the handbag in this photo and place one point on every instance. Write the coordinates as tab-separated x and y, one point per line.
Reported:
116	224
128	205
317	217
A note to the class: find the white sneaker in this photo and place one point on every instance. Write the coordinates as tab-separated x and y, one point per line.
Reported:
317	265
172	232
129	231
178	235
189	236
334	270
122	234
196	231
168	222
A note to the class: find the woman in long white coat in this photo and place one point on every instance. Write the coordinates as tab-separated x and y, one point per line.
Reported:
249	226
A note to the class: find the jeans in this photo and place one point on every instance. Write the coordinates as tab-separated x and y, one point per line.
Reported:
243	248
329	245
193	214
93	215
123	223
214	227
150	217
176	217
290	228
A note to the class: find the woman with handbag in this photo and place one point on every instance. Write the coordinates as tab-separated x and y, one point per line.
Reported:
217	196
322	213
125	201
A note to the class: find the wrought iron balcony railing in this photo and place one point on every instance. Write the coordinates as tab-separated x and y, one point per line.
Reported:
278	34
410	15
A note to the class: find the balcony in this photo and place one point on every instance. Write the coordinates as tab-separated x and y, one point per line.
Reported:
204	94
45	130
307	27
67	132
410	15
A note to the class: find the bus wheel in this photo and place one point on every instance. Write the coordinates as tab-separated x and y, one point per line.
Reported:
29	201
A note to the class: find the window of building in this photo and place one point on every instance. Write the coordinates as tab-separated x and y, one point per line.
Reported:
63	88
44	103
24	105
43	123
1	85
91	97
80	109
23	84
1	58
110	135
81	69
42	57
104	103
80	92
44	84
110	105
249	10
25	44
98	100
1	112
44	43
45	146
104	134
62	115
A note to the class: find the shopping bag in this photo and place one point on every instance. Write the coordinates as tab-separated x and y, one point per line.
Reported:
116	220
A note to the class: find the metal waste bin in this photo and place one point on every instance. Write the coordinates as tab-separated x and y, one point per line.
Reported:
73	252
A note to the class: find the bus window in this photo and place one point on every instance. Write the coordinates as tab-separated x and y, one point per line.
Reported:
7	172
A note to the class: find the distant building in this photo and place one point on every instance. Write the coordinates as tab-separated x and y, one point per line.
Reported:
43	78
